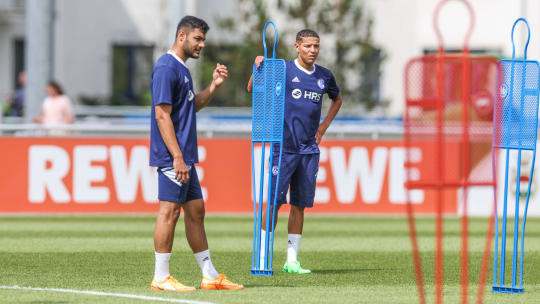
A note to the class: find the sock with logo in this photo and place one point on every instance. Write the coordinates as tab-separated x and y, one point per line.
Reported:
205	263
161	270
293	244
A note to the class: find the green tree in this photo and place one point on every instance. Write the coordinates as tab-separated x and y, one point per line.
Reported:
238	56
346	46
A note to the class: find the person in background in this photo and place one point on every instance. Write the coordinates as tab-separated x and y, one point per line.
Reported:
57	108
16	102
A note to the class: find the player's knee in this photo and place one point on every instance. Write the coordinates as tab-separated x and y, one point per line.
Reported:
170	212
175	214
196	214
297	209
199	214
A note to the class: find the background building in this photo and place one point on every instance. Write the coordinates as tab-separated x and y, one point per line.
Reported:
103	51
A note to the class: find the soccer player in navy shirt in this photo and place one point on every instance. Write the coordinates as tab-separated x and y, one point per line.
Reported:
306	83
173	150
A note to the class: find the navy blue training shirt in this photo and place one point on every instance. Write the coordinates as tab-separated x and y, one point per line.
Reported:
303	102
171	84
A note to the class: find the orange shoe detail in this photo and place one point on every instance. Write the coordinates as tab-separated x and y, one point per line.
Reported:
220	283
170	284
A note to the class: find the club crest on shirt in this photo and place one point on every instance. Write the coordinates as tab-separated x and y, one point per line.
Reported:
190	95
320	83
275	170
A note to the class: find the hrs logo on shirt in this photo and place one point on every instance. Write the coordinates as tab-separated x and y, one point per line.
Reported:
313	96
296	93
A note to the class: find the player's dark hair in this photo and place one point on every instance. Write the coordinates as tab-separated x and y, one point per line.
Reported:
56	87
305	33
189	23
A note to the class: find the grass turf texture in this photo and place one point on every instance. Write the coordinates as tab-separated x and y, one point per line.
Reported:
354	260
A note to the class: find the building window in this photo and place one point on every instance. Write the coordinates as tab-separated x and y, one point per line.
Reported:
19	4
18	62
370	84
132	67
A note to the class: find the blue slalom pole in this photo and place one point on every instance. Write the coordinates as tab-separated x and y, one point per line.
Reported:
516	221
254	190
496	215
259	220
524	221
268	259
274	202
503	229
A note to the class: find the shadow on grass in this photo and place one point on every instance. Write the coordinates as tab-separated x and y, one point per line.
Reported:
47	302
349	270
248	286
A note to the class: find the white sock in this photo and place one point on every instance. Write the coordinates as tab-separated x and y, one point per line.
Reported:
262	251
205	263
161	271
293	244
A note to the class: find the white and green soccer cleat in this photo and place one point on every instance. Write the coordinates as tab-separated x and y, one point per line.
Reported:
294	267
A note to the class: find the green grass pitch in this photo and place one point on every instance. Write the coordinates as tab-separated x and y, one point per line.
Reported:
354	260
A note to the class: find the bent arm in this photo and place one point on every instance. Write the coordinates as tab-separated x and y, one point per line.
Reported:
203	98
258	61
219	76
249	86
332	112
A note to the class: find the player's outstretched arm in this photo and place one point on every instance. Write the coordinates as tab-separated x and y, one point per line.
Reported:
218	78
258	61
332	112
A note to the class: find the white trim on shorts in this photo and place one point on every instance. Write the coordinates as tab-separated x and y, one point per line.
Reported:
171	175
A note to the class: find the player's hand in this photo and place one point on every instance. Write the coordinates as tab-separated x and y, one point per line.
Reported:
258	60
181	170
320	133
220	75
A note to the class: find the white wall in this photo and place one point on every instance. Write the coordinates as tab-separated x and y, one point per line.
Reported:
85	32
405	28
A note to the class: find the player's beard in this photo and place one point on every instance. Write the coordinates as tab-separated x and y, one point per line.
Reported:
190	50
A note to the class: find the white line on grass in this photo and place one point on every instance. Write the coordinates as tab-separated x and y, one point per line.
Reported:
107	294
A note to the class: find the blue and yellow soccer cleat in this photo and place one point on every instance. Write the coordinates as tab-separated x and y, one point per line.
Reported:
220	283
294	267
170	284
